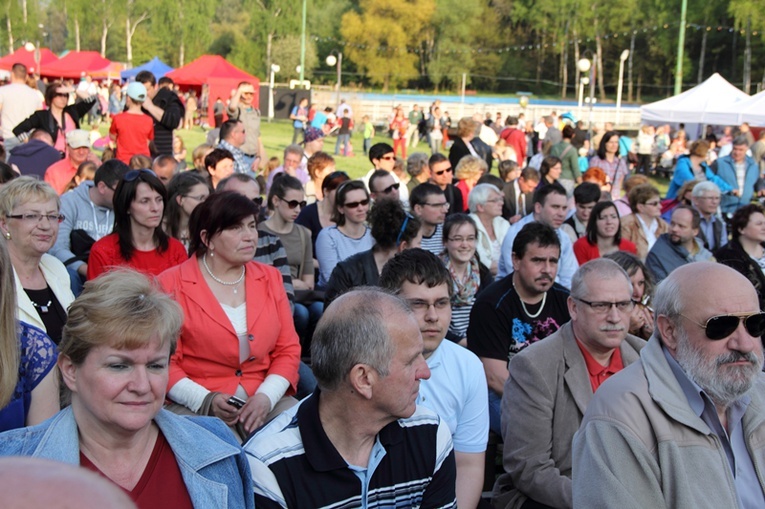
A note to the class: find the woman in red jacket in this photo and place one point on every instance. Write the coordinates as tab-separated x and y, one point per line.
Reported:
603	234
238	353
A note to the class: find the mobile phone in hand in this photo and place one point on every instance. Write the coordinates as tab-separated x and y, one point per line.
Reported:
236	402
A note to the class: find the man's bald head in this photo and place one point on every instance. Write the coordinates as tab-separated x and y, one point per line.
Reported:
34	482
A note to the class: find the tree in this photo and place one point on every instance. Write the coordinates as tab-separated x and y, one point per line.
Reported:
382	38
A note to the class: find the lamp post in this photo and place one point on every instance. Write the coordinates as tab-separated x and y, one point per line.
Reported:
584	65
337	61
622	58
583	81
274	69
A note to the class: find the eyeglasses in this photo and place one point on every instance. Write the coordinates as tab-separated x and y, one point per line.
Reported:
652	203
201	197
722	326
134	174
443	205
390	188
441	172
712	198
602	308
460	240
356	204
496	200
388	158
403	228
292	204
36	218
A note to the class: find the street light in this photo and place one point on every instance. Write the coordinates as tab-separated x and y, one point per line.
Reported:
622	58
274	69
583	81
584	65
333	60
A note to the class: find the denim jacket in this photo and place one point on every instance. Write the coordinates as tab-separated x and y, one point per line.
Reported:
212	464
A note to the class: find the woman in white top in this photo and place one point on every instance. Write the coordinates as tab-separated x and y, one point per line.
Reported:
485	203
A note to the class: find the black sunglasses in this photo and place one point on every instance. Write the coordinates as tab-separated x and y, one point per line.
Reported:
258	200
722	326
294	203
447	170
134	174
390	188
355	204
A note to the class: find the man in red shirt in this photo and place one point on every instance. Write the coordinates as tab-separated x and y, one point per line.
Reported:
516	139
132	130
60	173
551	383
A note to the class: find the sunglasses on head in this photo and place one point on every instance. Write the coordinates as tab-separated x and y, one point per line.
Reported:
441	172
722	326
134	174
294	203
403	227
390	188
356	204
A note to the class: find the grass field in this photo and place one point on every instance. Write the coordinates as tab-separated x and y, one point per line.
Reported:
278	134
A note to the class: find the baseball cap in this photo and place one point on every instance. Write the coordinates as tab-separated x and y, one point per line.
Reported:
78	138
312	134
137	92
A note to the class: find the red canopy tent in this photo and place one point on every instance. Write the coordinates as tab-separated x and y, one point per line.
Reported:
74	63
26	57
220	76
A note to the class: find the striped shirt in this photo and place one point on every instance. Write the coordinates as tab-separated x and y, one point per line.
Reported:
434	243
294	464
270	251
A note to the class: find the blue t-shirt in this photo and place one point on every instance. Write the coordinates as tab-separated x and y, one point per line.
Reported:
296	111
38	356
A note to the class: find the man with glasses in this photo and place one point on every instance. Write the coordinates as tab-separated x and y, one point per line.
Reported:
519	310
551	383
442	175
679	246
712	230
382	186
456	389
685	425
59	174
243	108
430	206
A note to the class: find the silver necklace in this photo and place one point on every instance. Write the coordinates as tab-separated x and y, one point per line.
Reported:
220	281
541	307
44	308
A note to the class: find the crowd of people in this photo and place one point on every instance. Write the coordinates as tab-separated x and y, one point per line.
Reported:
213	336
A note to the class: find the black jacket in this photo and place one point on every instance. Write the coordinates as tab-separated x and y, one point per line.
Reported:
357	270
164	127
43	119
733	255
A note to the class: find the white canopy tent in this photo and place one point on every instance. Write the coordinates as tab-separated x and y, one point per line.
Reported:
712	102
752	110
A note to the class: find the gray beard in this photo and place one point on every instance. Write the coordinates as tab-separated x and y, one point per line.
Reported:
724	386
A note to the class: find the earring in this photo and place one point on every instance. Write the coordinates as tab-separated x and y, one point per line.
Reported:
8	235
212	248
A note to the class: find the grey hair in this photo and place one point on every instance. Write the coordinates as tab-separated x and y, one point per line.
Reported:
704	187
416	163
600	268
479	195
667	300
353	331
293	149
740	140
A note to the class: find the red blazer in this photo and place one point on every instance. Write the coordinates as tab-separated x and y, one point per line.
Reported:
584	251
208	348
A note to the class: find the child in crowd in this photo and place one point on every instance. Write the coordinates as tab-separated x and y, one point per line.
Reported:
85	171
132	130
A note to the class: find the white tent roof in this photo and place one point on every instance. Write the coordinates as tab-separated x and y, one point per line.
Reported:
752	110
711	102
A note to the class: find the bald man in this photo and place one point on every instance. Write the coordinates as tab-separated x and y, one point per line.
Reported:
684	426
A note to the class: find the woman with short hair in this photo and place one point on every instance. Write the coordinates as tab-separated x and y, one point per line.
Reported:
468	171
485	202
645	224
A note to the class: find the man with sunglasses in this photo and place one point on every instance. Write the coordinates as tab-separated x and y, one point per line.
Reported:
442	175
685	425
382	186
551	382
382	157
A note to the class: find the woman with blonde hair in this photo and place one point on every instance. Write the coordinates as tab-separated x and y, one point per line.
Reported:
28	388
29	220
468	171
115	362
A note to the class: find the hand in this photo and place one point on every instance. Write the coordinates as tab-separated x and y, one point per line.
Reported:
254	412
255	164
223	411
736	192
515	219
